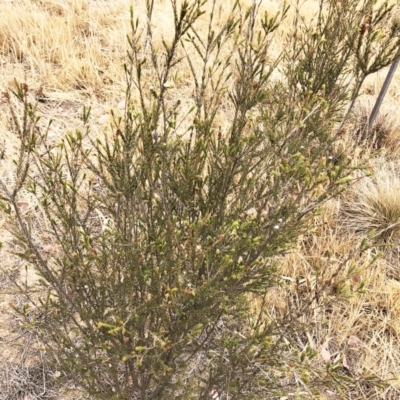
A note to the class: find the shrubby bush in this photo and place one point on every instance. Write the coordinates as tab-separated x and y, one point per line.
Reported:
163	237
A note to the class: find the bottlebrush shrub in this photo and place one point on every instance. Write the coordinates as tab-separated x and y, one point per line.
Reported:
161	232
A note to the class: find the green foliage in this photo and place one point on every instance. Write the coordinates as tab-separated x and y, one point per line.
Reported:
165	230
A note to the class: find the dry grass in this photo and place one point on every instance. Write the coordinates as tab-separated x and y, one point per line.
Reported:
373	204
384	135
364	328
75	50
75	45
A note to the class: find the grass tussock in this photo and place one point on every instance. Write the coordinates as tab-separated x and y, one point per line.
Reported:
384	134
372	206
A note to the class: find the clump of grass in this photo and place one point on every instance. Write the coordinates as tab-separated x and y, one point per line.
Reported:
373	204
384	134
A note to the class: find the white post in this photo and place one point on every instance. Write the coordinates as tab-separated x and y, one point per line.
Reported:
383	91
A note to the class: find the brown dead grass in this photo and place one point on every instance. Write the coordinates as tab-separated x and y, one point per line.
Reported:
372	205
75	49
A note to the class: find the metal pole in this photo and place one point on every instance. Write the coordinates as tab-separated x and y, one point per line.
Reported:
383	91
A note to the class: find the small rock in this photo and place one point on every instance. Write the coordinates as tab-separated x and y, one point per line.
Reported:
104	119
